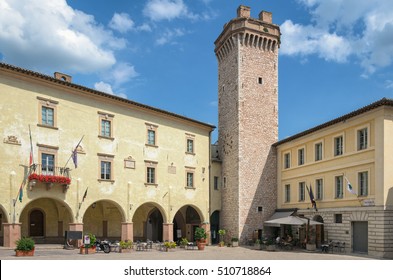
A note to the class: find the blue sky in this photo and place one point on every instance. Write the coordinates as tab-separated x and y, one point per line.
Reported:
336	56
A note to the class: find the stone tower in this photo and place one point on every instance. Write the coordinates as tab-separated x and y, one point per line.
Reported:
247	54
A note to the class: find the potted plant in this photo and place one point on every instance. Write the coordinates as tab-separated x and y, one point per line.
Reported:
169	245
125	246
89	248
258	244
270	244
183	242
221	233
200	236
25	247
235	241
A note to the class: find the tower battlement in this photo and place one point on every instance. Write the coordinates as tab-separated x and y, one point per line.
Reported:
259	33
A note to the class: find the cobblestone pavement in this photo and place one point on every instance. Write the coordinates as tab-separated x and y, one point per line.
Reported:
56	252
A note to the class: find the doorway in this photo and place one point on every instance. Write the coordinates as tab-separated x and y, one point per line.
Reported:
36	224
360	237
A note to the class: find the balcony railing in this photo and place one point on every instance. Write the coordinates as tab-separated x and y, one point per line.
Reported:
49	175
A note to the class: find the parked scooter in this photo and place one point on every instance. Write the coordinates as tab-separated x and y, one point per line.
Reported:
102	246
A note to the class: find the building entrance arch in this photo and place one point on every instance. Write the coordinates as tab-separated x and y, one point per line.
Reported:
46	220
103	218
185	222
148	222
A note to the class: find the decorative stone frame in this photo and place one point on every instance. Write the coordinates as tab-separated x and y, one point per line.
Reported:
151	164
48	103
103	116
105	158
154	128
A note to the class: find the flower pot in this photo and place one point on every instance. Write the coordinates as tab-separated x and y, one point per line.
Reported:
311	247
270	247
22	253
201	245
125	250
84	251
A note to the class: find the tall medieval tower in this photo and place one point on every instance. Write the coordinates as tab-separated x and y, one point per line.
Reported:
247	54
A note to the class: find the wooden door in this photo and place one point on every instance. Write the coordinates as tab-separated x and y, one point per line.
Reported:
36	227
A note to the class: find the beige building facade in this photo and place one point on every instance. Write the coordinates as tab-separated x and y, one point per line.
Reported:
142	173
354	149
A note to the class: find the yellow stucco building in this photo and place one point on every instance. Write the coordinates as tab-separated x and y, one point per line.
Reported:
142	173
354	149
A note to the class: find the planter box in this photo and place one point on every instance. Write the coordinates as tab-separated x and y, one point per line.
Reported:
20	253
126	250
84	251
258	246
311	247
270	247
235	243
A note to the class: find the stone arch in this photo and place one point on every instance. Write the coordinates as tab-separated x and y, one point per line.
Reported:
148	220
215	226
319	230
57	215
186	219
103	218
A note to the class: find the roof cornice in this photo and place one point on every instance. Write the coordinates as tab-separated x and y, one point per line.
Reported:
379	103
86	90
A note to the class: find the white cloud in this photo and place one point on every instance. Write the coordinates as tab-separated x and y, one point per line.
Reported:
168	36
121	22
51	34
158	10
122	73
344	28
104	87
107	88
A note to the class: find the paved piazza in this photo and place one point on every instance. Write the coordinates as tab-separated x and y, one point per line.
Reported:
55	252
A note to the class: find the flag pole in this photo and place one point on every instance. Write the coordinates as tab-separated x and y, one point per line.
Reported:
76	147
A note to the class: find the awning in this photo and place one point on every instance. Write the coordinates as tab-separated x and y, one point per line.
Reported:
291	220
278	215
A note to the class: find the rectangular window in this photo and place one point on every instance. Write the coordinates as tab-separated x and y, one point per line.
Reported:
151	175
319	189
338	218
215	182
106	170
318	151
190	146
105	128
338	187
300	156
287	160
47	116
105	125
287	193
151	137
47	164
362	139
338	146
302	187
47	112
363	183
190	179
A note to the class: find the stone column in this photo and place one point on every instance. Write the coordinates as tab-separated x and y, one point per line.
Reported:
76	227
127	231
12	232
167	232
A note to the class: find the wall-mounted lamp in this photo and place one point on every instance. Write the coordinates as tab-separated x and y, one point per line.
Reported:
94	205
131	206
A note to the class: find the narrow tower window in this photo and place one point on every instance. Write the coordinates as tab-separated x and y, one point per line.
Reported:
260	80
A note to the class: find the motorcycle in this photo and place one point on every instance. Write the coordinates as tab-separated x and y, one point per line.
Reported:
102	246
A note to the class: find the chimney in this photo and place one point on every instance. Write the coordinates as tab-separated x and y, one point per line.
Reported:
266	16
63	77
243	11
